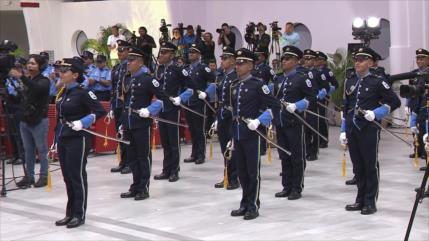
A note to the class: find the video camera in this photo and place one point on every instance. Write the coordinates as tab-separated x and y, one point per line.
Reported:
275	26
7	60
219	30
164	27
181	28
419	84
250	33
199	30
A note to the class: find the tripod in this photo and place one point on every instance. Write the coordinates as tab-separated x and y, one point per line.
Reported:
420	193
275	45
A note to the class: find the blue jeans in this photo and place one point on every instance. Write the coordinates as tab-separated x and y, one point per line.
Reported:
35	137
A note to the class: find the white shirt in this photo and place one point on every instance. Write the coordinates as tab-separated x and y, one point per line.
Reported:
112	42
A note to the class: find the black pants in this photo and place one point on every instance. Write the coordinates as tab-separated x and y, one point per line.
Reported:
170	142
293	166
311	138
103	95
122	146
224	132
140	158
246	153
72	154
323	124
196	127
363	148
421	125
263	146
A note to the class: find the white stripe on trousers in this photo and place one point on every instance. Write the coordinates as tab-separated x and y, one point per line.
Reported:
81	177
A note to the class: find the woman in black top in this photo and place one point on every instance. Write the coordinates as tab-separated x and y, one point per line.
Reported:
76	108
34	125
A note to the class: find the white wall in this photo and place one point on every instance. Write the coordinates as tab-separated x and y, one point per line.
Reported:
53	24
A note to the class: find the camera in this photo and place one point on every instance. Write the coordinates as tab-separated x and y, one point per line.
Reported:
7	60
200	30
275	27
164	26
250	33
219	30
419	83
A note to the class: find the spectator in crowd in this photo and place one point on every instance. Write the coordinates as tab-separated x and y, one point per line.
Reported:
112	43
226	37
188	40
146	43
207	48
34	125
289	37
100	81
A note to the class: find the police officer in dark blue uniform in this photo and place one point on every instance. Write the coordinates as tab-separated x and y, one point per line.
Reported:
329	79
137	123
223	123
77	109
320	89
295	90
417	104
248	96
200	74
120	80
172	79
374	100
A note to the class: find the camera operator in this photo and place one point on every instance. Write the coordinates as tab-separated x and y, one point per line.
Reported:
146	43
14	88
289	37
417	104
226	37
207	48
262	39
34	125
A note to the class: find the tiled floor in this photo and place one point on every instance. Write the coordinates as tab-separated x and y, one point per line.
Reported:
192	209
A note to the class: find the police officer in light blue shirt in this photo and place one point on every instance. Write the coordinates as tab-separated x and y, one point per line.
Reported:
99	80
88	62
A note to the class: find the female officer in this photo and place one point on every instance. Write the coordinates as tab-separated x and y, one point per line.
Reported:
77	108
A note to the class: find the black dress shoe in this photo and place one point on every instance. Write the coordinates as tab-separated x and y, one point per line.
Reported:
219	185
17	162
189	159
422	169
126	170
75	222
294	195
25	182
249	215
426	193
63	221
116	169
323	145
283	193
128	194
238	212
368	209
233	185
173	177
354	207
141	196
351	181
199	161
312	158
43	181
161	176
412	155
423	157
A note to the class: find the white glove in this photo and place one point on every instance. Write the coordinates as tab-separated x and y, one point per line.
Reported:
214	125
253	124
369	115
176	100
202	95
291	107
110	115
343	139
414	130
120	131
77	125
144	112
425	139
229	145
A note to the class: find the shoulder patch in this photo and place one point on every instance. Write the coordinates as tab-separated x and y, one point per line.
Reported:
155	83
265	89
323	76
92	95
310	75
331	73
184	72
272	72
385	85
308	82
208	70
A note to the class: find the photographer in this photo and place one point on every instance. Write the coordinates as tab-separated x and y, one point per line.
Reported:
188	40
289	37
262	39
226	37
207	48
146	43
34	125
